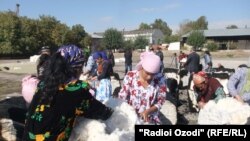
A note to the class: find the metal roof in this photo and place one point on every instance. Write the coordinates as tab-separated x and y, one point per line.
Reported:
223	32
100	34
96	35
141	31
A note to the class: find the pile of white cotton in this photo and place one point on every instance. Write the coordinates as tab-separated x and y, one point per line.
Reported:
119	127
226	111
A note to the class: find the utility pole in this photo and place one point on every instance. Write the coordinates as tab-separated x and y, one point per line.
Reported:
17	9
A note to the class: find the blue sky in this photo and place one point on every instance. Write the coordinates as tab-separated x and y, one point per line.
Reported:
99	15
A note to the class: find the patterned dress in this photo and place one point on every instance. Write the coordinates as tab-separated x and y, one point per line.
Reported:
54	121
103	84
144	98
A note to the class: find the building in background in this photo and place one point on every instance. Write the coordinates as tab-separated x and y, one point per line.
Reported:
226	38
154	36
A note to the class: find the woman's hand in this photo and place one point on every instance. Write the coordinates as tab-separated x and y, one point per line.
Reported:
237	97
201	104
94	78
145	116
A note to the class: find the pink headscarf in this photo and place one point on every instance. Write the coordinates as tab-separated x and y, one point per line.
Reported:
150	62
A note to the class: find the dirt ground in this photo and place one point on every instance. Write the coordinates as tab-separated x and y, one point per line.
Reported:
12	71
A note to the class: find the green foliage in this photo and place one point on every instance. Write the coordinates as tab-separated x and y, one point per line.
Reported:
46	25
196	39
172	38
187	26
144	26
59	34
212	46
140	42
78	35
87	41
163	26
5	48
200	24
24	36
128	44
28	40
112	39
9	33
86	52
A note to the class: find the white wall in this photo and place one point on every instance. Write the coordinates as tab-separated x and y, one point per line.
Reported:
174	46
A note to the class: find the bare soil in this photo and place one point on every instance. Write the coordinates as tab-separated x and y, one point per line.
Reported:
11	82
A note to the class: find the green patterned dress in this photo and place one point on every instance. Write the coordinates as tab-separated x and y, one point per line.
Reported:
53	121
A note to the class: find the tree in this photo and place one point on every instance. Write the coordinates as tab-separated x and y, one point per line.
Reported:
200	24
87	41
196	39
75	36
78	34
28	39
140	42
163	26
212	46
59	34
24	36
172	38
112	39
187	25
144	26
10	33
46	25
232	27
128	44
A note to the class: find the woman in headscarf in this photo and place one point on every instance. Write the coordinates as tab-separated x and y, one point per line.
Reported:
102	83
61	97
145	89
207	88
